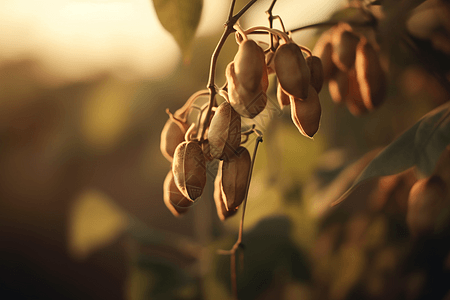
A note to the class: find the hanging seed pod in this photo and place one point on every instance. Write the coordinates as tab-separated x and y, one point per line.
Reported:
315	66
283	98
323	49
338	86
248	103
370	75
224	134
171	136
292	71
305	113
344	42
354	100
249	65
173	198
235	174
427	206
189	169
222	211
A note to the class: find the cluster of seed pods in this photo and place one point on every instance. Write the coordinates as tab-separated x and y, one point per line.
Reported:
352	67
299	81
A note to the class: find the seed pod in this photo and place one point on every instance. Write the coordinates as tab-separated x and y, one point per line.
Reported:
283	98
292	71
306	113
247	103
222	211
354	100
427	206
235	174
344	42
323	49
249	65
315	66
171	136
224	134
189	169
173	198
338	86
370	75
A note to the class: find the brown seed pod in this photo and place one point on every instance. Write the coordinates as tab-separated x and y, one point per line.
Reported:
171	136
235	172
315	66
246	102
222	211
249	65
292	71
323	49
189	169
354	100
427	206
370	75
338	86
344	42
283	98
173	198
224	134
306	113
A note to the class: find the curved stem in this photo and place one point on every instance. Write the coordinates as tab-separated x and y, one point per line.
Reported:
212	69
370	23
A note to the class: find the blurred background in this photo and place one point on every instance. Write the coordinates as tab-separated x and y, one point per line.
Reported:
84	85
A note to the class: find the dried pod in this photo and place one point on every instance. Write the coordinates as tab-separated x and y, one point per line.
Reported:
370	75
246	102
427	206
235	172
189	169
315	66
224	134
338	86
249	65
173	198
354	100
283	98
306	113
323	49
222	211
344	42
292	71
171	136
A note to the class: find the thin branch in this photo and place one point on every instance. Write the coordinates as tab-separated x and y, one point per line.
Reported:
230	14
238	244
212	70
270	17
332	23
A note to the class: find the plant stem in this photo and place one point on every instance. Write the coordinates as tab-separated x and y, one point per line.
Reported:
212	69
238	244
270	16
332	23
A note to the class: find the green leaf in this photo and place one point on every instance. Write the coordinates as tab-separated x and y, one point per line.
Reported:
419	146
180	18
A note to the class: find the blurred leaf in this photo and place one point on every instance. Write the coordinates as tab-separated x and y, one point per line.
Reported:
95	221
420	146
180	18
